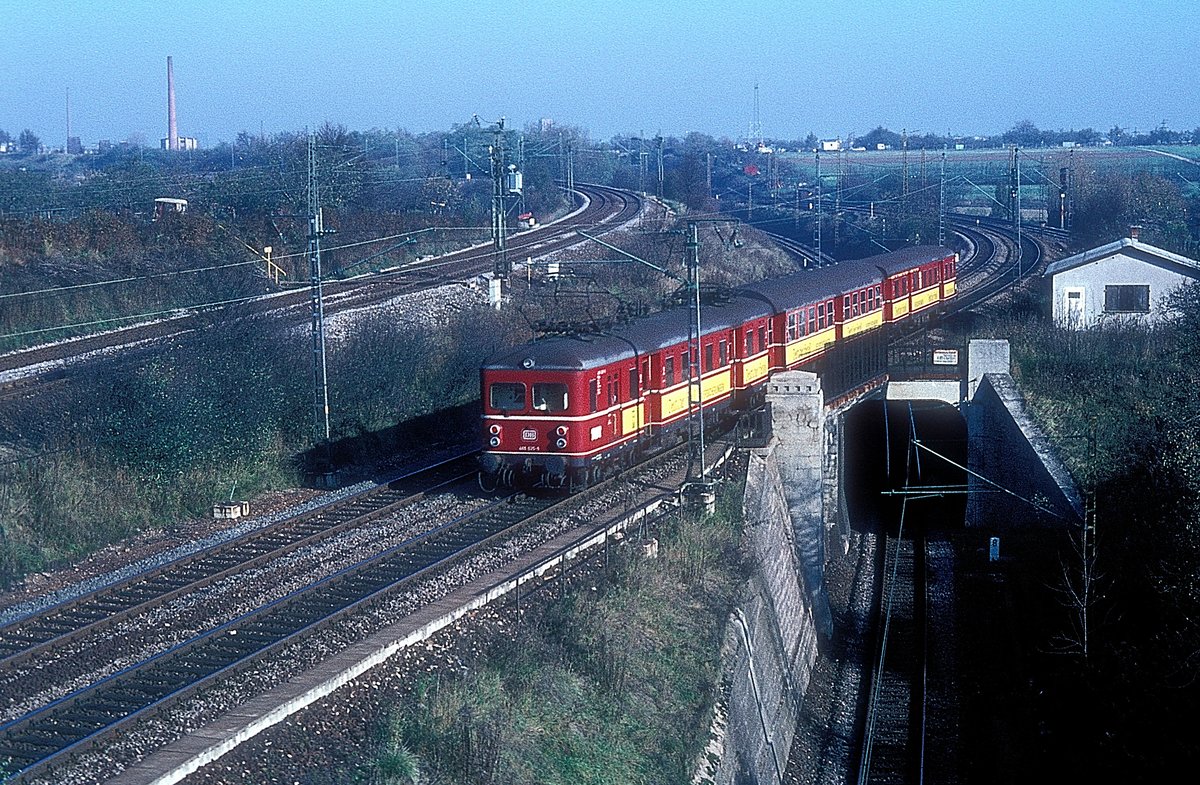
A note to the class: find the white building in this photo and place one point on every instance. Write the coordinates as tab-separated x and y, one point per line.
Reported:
1124	280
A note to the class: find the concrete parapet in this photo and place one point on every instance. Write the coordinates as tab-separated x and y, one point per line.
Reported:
946	390
984	357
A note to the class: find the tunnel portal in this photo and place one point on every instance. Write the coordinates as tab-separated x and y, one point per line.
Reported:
886	474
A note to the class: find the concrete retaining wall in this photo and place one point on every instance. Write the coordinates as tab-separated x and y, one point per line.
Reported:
770	643
1028	483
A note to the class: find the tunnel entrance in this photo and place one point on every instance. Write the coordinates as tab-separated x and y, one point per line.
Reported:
883	469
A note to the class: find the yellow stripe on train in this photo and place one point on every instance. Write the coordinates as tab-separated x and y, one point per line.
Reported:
862	324
925	298
808	346
756	369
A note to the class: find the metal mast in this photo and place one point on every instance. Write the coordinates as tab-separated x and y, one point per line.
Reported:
817	233
756	134
837	199
500	266
315	230
942	203
695	378
660	166
642	162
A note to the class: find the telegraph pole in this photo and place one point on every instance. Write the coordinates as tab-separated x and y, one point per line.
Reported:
315	230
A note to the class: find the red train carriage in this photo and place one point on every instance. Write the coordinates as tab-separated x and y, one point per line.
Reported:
565	411
568	410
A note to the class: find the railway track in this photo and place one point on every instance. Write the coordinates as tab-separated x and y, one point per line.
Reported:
35	634
603	209
92	708
892	749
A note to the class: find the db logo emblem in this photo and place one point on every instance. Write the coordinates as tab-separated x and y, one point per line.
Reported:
529	435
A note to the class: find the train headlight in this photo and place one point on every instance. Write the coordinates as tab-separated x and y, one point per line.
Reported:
495	429
494	441
560	443
561	430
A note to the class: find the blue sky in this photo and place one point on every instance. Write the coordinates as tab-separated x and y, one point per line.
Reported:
620	66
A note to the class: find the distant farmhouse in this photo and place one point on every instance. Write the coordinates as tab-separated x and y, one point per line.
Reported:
1124	280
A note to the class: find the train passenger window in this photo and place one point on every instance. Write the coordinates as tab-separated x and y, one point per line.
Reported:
820	316
633	384
749	342
708	358
614	391
812	319
668	372
507	396
550	397
792	332
594	394
723	354
846	307
762	338
879	295
685	366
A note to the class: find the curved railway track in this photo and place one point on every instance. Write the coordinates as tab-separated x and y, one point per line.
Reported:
602	210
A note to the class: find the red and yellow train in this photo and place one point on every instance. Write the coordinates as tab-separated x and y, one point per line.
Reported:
566	411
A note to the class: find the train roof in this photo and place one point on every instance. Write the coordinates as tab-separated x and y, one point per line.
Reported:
643	336
562	353
907	258
814	285
671	327
822	283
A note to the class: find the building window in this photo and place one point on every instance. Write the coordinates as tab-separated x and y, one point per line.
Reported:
1127	299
